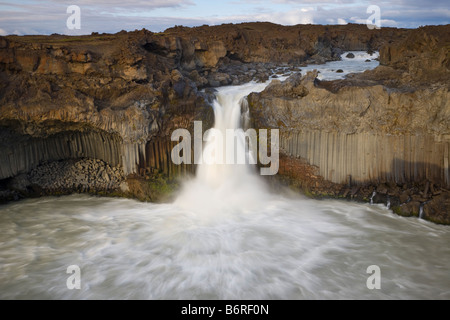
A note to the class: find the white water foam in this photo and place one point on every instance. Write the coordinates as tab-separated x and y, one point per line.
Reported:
328	71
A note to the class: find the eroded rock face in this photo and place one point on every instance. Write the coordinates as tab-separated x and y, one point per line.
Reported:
300	104
100	97
109	84
23	152
120	89
423	54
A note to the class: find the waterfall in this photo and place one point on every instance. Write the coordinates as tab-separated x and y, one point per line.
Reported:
421	210
372	197
225	187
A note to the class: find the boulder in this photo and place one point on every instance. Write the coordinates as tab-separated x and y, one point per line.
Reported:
438	208
408	209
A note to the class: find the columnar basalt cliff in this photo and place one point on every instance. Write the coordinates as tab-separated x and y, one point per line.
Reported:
95	97
382	135
102	107
117	98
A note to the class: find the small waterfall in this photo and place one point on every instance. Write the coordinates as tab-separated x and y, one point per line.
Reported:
245	114
388	204
422	205
372	197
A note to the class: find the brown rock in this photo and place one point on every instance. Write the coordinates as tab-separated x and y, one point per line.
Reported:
422	53
404	197
382	188
409	209
438	209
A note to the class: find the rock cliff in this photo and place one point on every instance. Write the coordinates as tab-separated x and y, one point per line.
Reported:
387	127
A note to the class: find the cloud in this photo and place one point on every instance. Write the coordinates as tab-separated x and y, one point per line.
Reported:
298	16
293	17
314	1
49	16
125	7
112	5
3	32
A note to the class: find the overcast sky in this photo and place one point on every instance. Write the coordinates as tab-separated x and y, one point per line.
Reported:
50	16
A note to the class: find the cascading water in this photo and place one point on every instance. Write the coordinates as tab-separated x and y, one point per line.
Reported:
225	237
372	197
224	188
422	205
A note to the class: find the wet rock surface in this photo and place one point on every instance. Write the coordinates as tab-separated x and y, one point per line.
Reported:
422	199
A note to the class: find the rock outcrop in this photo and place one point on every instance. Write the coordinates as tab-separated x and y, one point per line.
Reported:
100	97
423	55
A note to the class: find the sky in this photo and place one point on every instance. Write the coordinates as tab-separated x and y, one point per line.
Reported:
50	16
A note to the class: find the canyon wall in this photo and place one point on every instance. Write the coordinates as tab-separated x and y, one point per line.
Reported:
371	133
372	158
382	135
116	98
92	97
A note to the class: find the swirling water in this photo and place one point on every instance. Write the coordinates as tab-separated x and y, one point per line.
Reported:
277	248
